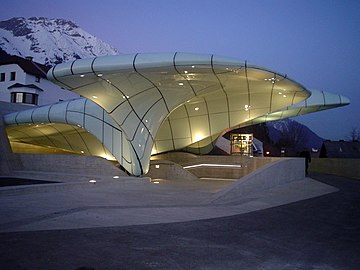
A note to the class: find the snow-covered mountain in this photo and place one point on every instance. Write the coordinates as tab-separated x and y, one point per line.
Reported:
50	41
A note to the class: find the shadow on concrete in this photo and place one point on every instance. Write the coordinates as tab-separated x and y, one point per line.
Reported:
10	181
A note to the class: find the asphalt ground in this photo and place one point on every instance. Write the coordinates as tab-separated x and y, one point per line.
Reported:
318	233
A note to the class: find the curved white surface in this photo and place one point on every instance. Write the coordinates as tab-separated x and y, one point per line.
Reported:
168	101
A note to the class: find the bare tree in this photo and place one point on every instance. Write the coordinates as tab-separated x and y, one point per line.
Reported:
354	134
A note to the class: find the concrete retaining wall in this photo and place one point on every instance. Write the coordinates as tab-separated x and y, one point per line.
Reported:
248	165
71	164
277	173
338	166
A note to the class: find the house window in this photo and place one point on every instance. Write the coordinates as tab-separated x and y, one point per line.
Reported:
19	97
12	76
37	78
27	98
2	77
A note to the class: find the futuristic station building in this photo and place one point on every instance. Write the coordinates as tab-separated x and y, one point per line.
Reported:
137	105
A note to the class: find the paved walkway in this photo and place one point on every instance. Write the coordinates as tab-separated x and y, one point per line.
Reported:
121	203
92	226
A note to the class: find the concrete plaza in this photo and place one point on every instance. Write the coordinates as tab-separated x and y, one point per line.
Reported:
123	224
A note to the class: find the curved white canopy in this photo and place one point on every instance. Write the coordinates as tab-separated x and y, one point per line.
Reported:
162	102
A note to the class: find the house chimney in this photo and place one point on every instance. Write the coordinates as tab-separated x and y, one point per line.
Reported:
29	58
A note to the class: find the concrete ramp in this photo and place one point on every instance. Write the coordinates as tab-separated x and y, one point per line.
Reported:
165	169
277	173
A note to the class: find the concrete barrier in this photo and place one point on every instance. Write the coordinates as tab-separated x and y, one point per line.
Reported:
338	166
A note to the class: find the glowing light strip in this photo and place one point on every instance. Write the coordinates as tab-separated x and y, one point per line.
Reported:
218	179
213	165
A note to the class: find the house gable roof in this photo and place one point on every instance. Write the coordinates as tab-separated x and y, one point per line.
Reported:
27	65
20	85
340	149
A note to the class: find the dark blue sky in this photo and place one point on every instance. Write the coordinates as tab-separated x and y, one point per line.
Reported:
316	43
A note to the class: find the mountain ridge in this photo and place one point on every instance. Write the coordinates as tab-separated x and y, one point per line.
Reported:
280	129
50	41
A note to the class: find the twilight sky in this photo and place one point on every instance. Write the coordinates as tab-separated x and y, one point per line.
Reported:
314	42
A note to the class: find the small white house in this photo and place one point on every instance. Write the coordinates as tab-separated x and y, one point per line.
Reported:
24	81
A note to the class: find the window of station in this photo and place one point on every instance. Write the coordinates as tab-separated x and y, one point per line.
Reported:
27	98
241	144
2	77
